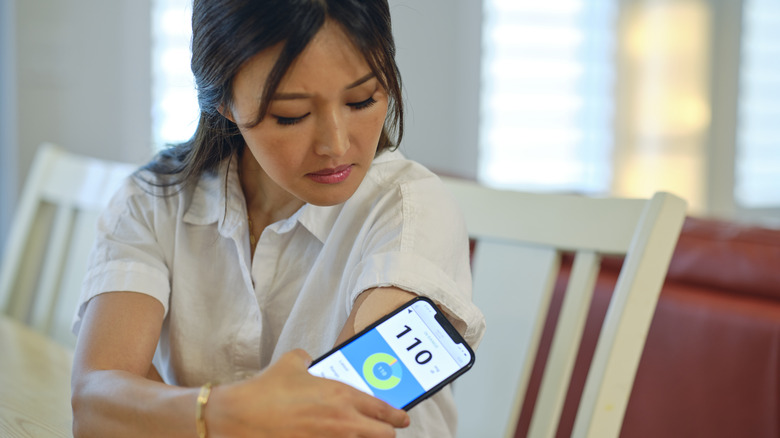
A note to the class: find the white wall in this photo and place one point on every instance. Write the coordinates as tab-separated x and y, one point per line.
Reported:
77	74
8	153
439	44
83	77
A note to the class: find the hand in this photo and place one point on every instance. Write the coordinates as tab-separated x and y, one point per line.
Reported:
286	401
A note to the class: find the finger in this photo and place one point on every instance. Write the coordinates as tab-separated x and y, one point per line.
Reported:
298	358
375	408
394	417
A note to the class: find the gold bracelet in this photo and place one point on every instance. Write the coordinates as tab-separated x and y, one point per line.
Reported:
203	398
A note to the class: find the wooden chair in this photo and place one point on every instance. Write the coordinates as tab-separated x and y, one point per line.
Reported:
519	241
52	232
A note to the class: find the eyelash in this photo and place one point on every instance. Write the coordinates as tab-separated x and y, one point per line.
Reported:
289	121
362	105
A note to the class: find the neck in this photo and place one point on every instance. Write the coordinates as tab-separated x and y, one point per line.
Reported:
266	202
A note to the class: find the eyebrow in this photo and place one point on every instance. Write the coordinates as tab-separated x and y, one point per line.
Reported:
291	96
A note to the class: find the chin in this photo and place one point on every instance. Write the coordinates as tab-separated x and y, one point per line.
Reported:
326	195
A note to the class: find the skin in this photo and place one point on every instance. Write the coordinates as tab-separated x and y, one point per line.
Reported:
116	390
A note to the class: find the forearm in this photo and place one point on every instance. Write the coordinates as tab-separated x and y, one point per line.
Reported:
121	404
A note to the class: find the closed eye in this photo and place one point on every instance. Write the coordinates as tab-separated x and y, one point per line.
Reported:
288	121
362	104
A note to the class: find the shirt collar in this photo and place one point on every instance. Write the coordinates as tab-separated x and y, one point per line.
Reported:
218	197
319	220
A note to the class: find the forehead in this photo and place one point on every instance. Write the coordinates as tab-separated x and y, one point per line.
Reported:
329	60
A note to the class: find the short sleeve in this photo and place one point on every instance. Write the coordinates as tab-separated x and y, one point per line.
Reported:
418	242
127	254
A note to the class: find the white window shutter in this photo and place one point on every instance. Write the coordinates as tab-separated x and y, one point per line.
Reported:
547	94
758	124
175	110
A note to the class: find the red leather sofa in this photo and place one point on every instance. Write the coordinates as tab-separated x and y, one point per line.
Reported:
711	364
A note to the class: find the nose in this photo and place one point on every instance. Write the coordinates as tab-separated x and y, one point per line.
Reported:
331	139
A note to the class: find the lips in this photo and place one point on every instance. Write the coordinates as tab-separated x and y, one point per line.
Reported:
331	175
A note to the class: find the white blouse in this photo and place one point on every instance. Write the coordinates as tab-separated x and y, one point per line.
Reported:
228	316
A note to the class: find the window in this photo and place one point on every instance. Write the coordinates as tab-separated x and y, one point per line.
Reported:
758	129
174	103
547	98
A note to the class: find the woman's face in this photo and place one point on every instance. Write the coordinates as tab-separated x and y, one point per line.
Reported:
322	127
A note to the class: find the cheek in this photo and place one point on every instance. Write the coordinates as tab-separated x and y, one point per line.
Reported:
370	127
272	152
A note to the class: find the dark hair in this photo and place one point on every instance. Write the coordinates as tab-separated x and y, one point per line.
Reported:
227	33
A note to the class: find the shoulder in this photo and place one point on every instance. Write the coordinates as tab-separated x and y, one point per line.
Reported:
405	195
154	198
392	167
408	180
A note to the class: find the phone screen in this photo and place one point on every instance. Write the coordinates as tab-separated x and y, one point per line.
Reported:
403	358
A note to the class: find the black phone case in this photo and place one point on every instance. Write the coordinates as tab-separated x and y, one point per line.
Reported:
445	324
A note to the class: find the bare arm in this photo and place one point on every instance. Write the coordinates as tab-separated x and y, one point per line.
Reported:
370	306
113	357
115	392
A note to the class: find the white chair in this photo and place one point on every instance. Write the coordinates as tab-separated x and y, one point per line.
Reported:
519	241
52	232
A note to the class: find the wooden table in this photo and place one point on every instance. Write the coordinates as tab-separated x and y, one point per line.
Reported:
34	384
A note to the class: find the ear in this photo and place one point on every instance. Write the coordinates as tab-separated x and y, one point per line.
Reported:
226	113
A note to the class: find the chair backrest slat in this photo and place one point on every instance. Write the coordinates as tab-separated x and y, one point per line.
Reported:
514	317
45	295
565	344
628	318
19	238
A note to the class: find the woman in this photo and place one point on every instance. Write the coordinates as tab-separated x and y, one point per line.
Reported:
287	223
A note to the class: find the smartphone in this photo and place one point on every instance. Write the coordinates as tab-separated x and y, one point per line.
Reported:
403	358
